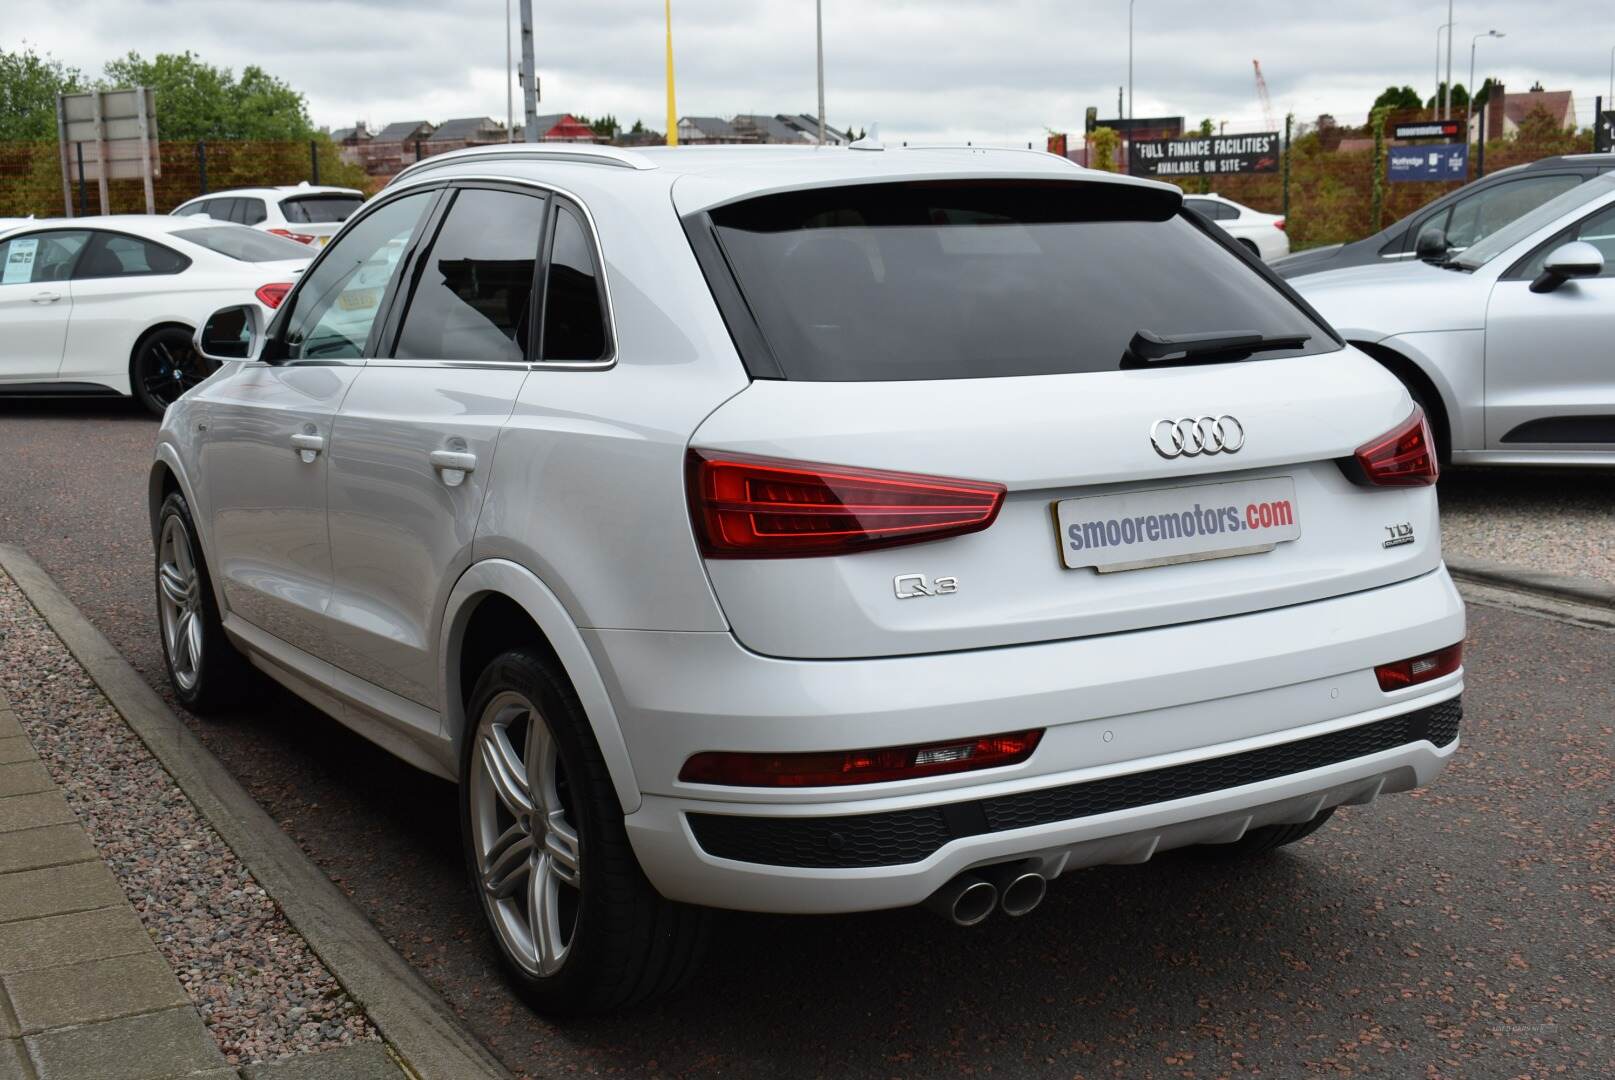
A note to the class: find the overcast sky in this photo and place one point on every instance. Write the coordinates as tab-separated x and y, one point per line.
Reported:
1000	71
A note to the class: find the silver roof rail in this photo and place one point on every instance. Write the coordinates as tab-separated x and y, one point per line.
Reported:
577	153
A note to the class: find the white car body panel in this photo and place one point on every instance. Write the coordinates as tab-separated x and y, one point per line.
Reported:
1262	231
275	219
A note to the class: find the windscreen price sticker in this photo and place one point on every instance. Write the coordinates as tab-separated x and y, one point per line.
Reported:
20	255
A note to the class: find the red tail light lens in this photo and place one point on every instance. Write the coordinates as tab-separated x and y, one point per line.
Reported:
1420	669
1405	456
1279	224
753	508
836	768
272	294
301	238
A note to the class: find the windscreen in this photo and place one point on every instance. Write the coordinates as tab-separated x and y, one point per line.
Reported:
248	245
980	279
319	209
1484	251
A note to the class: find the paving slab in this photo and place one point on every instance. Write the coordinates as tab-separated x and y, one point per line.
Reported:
57	890
11	1058
16	748
24	778
91	991
32	811
49	845
173	1042
9	727
362	1061
71	939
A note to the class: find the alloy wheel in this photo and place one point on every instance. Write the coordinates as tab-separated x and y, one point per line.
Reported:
179	599
170	367
526	845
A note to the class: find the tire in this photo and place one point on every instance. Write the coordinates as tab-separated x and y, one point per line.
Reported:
165	365
551	818
1250	246
204	668
1265	839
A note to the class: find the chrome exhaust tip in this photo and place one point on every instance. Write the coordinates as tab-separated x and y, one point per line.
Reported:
967	900
1020	888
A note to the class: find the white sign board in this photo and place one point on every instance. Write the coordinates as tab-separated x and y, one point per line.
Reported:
114	134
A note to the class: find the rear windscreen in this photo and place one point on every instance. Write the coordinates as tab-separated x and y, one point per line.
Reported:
319	209
963	280
248	245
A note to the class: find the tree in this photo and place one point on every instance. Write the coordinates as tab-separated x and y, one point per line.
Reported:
1103	143
1460	97
1206	128
29	84
196	100
1398	97
1485	91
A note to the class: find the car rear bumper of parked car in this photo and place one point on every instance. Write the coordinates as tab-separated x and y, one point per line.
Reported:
1152	740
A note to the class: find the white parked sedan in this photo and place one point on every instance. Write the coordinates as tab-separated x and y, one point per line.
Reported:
303	212
1508	344
1262	234
107	305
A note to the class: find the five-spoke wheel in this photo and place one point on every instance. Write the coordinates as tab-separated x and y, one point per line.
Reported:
165	366
179	603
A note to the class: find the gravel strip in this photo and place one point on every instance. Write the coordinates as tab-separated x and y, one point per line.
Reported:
263	994
1558	523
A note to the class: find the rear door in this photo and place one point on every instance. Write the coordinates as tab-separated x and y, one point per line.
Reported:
36	302
1550	356
414	442
118	291
981	332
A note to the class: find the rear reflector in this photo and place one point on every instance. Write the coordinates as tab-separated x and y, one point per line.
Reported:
836	768
755	508
1420	669
301	238
272	294
1405	456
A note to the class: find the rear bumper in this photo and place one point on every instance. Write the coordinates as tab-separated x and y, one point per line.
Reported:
1155	739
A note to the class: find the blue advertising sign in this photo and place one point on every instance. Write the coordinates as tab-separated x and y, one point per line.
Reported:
1447	161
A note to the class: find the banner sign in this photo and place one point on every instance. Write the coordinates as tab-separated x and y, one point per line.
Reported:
1206	155
1428	129
1449	161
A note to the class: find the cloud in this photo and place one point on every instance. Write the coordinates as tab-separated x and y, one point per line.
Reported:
999	71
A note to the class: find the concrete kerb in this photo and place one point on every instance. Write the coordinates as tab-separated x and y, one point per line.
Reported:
412	1017
1557	586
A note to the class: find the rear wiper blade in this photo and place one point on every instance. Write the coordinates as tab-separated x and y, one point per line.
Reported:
1151	347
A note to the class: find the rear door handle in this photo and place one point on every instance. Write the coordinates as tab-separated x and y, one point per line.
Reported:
46	297
452	465
308	447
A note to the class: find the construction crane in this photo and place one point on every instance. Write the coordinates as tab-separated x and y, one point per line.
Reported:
1261	95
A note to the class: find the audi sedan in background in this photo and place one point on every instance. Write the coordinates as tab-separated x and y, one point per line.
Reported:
108	305
1509	345
809	531
304	212
1261	234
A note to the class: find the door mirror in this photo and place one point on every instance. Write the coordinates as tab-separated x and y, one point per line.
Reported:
231	333
1573	260
1432	244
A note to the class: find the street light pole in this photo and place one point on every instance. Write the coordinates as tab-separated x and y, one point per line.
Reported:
1437	99
1469	110
510	99
819	7
1130	59
1446	91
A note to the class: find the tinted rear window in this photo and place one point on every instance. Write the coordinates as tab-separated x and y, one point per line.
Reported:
248	245
319	209
985	279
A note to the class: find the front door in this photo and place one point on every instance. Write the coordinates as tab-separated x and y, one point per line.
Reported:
265	454
414	446
1550	356
36	302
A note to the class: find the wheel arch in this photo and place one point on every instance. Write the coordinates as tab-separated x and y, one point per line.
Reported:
1411	373
497	604
146	335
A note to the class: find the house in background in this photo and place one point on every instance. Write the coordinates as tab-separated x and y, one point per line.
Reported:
462	132
1505	112
706	129
395	146
800	130
564	127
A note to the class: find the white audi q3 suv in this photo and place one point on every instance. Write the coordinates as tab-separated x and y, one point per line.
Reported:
809	530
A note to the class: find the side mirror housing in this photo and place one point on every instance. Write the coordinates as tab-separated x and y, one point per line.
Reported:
1576	259
1431	245
232	333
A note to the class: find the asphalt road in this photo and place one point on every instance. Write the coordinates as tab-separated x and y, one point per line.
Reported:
1462	931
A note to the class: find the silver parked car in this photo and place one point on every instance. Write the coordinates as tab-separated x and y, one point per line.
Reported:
1509	345
808	531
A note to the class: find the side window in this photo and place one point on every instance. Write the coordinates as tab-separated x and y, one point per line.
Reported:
574	317
219	209
191	210
40	257
1227	213
1203	207
252	211
330	313
1597	230
117	255
473	297
1484	212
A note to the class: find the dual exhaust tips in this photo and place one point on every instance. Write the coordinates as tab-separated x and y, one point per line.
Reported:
1013	888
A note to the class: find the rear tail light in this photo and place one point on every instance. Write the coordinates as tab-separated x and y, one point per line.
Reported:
1405	456
272	294
837	768
1420	669
752	508
1279	224
301	238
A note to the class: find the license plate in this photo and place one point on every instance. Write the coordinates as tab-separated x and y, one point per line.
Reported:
1162	526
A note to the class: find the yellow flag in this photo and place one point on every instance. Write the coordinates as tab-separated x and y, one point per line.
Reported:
672	109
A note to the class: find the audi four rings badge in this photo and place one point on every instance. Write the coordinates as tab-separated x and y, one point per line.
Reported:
1188	437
